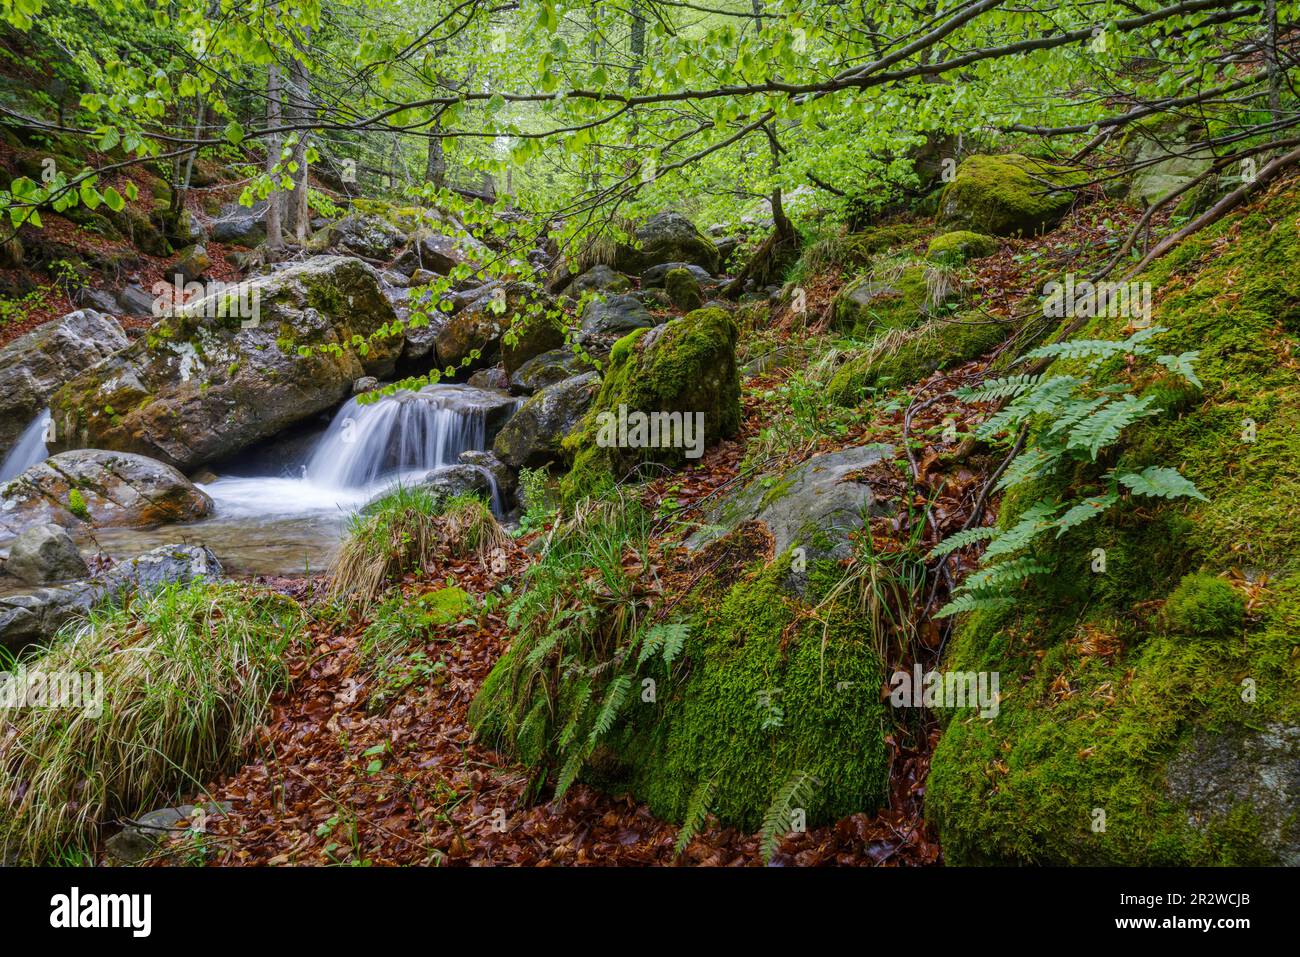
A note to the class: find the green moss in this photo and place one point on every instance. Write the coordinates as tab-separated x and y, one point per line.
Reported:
683	289
77	505
1008	195
1204	605
957	247
446	605
890	237
868	306
1100	689
896	361
690	368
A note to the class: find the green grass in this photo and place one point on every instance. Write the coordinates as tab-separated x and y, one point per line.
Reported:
187	676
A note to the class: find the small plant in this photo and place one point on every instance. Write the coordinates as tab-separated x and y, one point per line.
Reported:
77	505
533	488
1068	419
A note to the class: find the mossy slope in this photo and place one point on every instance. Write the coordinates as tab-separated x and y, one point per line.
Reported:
1102	690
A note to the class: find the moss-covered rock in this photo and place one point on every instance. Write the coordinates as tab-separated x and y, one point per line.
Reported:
869	306
959	246
1008	195
900	359
667	237
685	366
683	290
1107	699
763	698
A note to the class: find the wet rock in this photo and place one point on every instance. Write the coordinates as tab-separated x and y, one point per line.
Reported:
197	388
99	487
240	225
599	278
494	378
38	614
440	253
604	322
135	301
45	553
546	369
194	263
371	237
502	474
683	290
35	365
533	435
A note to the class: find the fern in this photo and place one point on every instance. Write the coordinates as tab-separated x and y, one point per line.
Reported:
1036	519
1087	509
1104	426
961	539
1182	365
970	601
697	811
995	389
1160	482
797	792
1031	464
665	639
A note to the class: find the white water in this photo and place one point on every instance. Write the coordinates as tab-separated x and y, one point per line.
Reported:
29	449
366	450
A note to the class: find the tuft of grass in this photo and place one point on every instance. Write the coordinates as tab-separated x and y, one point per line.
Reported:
186	673
402	533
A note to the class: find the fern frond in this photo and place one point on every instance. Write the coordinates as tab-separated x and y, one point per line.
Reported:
1104	426
1160	482
993	389
972	601
1083	511
697	810
1002	574
1035	520
797	792
1181	364
1030	464
961	539
614	699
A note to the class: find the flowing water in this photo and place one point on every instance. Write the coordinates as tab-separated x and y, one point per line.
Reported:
28	450
288	525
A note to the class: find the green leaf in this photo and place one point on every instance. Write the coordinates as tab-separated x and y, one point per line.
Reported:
1158	481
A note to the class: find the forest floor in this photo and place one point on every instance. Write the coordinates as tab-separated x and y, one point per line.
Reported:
334	782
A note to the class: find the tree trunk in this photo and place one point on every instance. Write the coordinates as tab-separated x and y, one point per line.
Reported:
297	215
435	163
274	237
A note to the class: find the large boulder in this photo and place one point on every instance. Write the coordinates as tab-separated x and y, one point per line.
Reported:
194	389
529	337
472	337
600	279
1008	195
240	225
679	381
100	487
45	553
35	365
440	253
547	369
655	276
605	321
667	237
359	234
816	506
37	615
534	435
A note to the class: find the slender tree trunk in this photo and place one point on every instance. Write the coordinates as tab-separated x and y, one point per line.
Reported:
274	236
435	163
297	215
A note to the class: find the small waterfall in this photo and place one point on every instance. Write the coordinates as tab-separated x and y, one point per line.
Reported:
29	449
408	433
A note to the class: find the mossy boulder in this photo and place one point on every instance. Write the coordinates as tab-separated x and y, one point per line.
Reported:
899	360
203	385
1116	683
1008	195
535	434
871	305
960	246
683	290
683	367
667	237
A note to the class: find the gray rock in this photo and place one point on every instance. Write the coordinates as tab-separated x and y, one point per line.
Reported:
479	326
135	301
1215	773
460	479
653	278
440	253
143	837
370	236
533	435
35	365
502	474
194	262
546	369
366	383
100	300
493	378
240	225
113	488
45	553
38	614
667	237
604	322
599	278
817	505
199	388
